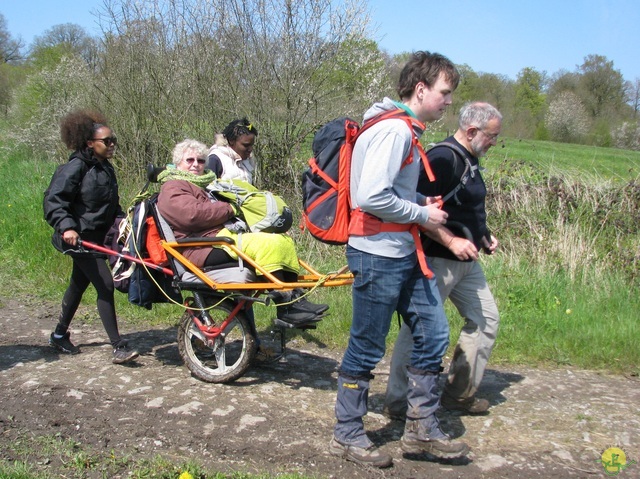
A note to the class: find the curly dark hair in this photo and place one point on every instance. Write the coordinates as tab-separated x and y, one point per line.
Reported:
238	128
425	67
78	127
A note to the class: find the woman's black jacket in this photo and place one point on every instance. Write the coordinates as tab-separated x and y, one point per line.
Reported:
83	196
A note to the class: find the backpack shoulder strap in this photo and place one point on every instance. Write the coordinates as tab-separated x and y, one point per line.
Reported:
410	121
84	168
468	172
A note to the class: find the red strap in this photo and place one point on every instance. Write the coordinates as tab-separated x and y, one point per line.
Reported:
365	224
415	232
415	143
425	161
316	170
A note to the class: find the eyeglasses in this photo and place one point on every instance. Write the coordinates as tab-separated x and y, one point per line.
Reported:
108	141
491	136
201	161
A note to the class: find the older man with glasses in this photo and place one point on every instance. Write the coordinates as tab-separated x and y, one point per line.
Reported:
453	259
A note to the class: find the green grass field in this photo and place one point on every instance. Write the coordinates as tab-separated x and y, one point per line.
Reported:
577	160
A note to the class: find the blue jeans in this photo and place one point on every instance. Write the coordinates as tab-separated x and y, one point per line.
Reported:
384	285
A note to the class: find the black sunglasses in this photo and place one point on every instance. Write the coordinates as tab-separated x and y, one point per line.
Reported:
108	141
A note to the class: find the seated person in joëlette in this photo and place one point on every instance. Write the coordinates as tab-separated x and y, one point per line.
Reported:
191	212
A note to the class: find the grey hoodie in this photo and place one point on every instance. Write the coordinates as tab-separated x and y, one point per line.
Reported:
382	188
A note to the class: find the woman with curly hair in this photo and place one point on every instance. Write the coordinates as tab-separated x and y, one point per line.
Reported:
81	203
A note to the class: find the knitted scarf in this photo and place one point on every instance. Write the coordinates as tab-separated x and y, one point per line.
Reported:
174	174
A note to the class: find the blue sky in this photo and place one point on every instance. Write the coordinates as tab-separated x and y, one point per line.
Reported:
492	36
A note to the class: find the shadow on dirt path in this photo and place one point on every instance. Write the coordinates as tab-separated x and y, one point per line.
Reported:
279	417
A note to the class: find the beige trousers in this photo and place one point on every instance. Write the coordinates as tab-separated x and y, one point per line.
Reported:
465	284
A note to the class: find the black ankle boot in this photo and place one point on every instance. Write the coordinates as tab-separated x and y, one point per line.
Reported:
304	304
61	329
291	313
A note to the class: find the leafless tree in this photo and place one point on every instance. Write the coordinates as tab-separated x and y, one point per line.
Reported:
633	96
10	48
71	37
10	58
186	68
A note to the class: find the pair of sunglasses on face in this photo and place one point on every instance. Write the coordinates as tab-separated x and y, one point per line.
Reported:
189	161
108	141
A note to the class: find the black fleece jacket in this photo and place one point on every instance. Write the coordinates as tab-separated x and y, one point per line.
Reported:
83	196
470	211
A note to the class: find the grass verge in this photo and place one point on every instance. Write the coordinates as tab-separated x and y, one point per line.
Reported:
35	457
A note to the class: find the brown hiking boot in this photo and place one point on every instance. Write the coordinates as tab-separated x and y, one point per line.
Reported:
440	448
415	440
395	414
370	456
471	405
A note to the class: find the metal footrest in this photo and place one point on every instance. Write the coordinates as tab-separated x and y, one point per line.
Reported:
281	330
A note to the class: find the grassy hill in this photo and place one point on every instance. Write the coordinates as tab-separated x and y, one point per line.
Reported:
574	160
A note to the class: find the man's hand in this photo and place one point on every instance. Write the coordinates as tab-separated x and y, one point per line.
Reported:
436	215
71	237
463	249
433	200
490	247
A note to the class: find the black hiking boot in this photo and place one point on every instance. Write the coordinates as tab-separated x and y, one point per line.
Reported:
63	344
292	314
303	303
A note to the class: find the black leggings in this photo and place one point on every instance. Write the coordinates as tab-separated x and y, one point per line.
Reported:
87	270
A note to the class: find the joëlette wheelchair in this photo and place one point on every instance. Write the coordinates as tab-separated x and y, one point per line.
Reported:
216	340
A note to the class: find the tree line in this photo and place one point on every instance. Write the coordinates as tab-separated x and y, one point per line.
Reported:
163	70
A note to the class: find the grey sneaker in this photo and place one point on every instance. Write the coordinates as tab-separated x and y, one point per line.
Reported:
123	354
63	344
472	405
370	456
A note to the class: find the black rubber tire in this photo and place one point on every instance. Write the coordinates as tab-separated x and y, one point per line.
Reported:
229	358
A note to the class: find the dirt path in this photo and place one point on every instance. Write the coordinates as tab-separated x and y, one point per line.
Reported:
279	418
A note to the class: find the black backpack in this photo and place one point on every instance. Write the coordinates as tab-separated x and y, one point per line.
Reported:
462	169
